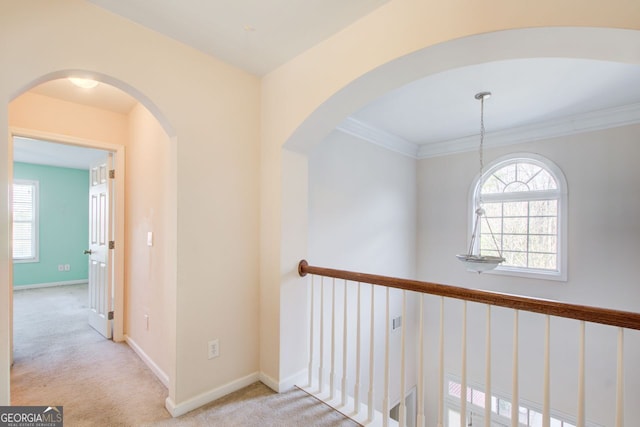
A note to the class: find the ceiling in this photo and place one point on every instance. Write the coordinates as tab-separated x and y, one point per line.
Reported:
255	35
27	150
532	98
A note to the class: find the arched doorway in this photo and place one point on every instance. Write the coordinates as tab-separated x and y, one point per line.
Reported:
114	121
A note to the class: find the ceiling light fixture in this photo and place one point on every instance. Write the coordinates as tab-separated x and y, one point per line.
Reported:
475	261
83	83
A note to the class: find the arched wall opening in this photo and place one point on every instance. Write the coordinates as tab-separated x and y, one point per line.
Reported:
145	193
576	42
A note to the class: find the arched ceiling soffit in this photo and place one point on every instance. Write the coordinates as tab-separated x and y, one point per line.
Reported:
106	79
600	44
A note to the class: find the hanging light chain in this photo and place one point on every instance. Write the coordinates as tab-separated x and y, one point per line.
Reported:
481	96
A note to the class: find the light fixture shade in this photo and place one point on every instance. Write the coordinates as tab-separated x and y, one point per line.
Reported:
479	263
476	262
83	83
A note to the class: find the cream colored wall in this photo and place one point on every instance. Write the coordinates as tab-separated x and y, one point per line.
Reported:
303	100
149	281
211	111
41	113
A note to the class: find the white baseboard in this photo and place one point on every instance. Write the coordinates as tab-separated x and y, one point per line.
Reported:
162	376
298	379
209	396
49	285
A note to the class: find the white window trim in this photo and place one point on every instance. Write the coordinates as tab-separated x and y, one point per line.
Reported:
561	273
36	221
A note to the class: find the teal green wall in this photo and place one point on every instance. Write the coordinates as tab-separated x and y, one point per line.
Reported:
64	224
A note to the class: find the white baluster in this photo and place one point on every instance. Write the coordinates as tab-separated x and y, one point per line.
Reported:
420	418
463	381
402	419
515	401
581	377
620	381
332	374
371	359
546	410
441	367
321	367
345	329
385	400
310	379
356	391
487	371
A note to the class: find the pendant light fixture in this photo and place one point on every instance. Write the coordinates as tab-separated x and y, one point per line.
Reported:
475	261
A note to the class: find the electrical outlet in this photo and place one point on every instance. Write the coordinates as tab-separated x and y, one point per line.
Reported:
67	267
396	323
60	267
214	349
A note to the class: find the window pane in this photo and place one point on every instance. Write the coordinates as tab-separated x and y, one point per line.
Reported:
515	187
515	259
477	398
514	242
454	418
526	171
516	209
454	389
492	186
535	419
492	210
543	181
504	408
516	225
546	244
523	415
543	225
506	174
544	208
555	422
494	404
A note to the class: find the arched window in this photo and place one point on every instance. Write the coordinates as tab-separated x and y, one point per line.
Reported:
524	197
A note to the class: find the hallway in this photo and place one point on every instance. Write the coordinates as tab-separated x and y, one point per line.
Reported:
61	361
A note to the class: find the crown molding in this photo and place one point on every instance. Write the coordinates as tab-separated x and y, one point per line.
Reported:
587	122
369	133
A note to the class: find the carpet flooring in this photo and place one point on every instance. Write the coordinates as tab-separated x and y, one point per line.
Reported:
60	360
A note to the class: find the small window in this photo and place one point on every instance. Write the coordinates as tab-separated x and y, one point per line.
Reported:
524	198
25	221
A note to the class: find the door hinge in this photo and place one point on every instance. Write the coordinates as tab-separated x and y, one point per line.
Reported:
112	173
112	244
110	315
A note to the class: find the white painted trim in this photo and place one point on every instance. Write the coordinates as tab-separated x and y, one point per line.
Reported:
586	122
49	285
162	376
269	382
298	379
580	123
119	166
387	140
195	402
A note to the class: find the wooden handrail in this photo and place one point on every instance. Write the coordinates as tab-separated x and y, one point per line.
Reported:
605	316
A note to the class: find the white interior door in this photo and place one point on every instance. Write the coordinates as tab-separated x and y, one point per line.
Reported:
100	259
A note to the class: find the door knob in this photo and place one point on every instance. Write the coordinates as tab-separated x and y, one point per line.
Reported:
87	252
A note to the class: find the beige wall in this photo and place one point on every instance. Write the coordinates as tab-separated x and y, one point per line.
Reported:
149	270
218	116
41	113
149	277
303	100
211	112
